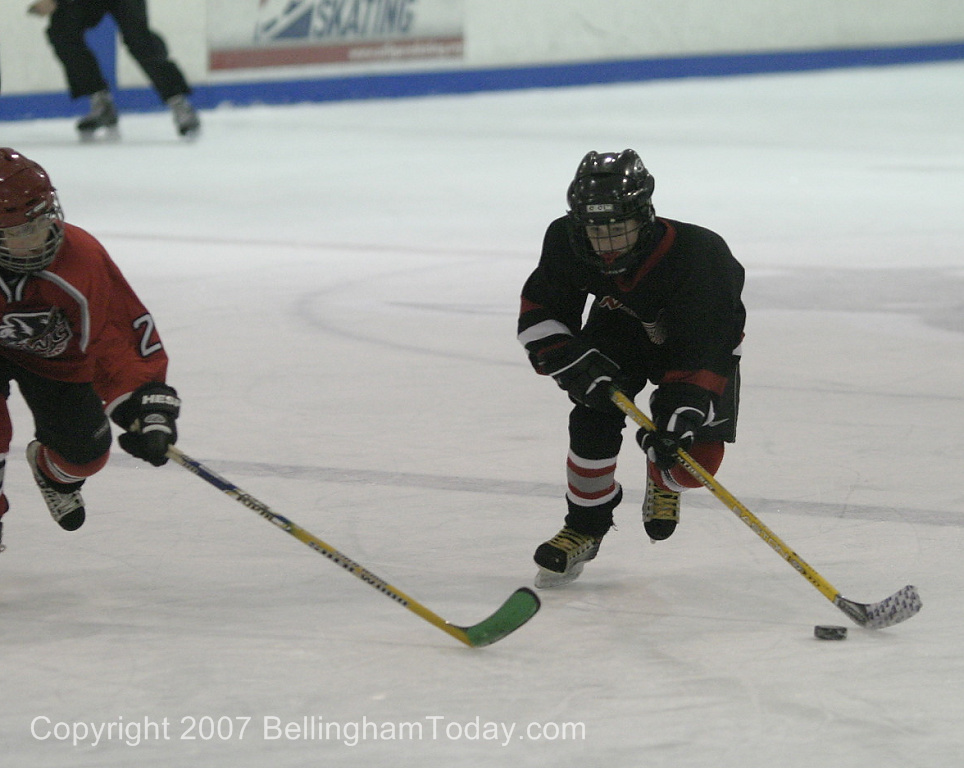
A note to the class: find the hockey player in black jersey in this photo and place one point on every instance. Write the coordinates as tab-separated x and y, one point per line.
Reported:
665	310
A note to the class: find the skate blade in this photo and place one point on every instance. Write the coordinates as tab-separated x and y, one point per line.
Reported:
546	579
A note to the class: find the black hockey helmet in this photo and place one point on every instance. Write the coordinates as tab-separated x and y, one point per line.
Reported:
611	187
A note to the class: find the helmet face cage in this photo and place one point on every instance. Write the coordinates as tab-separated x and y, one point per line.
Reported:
28	206
609	188
39	257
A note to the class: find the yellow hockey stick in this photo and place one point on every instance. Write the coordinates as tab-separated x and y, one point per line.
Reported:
521	605
892	610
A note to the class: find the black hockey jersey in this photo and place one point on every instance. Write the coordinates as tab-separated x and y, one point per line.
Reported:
681	307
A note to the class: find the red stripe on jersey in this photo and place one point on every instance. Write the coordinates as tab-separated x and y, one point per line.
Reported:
528	306
627	284
702	378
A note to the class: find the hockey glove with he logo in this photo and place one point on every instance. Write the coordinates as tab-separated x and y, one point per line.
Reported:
678	409
148	417
583	371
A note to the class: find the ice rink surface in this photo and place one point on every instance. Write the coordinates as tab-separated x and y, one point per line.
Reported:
337	287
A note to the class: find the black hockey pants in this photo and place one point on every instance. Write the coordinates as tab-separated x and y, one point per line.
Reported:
84	76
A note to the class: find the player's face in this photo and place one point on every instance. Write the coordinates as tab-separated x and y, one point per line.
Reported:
27	239
613	239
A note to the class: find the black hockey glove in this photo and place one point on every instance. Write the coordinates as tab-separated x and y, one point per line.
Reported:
148	418
678	410
584	372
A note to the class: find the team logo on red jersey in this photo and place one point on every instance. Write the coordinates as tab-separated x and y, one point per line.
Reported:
45	334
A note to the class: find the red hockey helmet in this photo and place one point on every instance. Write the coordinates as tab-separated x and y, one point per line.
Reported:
31	220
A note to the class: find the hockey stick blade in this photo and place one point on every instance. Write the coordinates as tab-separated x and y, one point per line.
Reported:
899	607
521	606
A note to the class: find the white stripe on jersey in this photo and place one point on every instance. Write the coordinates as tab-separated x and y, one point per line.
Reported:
543	330
81	303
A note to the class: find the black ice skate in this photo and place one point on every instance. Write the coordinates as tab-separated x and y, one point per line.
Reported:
562	558
102	115
660	511
64	501
185	118
2	546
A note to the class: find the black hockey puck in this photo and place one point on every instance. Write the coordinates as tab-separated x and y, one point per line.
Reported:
825	632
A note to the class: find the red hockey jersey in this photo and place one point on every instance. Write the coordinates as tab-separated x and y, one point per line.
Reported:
80	321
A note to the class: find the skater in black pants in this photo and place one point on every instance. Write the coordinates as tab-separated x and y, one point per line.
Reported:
70	19
622	297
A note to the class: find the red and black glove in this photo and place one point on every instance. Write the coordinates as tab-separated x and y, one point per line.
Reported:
679	410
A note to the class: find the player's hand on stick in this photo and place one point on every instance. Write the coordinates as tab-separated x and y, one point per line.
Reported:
679	410
584	372
149	419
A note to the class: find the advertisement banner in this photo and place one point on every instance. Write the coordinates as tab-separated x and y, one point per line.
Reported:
244	34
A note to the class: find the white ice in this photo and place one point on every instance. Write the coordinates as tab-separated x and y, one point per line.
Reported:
337	287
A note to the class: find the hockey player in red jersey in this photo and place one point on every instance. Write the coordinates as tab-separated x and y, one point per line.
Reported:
666	310
79	344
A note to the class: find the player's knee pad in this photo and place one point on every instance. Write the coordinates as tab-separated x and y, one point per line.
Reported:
63	470
708	455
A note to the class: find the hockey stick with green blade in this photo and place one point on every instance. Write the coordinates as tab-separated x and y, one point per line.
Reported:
899	607
521	605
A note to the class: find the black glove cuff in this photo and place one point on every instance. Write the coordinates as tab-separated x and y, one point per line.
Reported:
670	398
550	360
